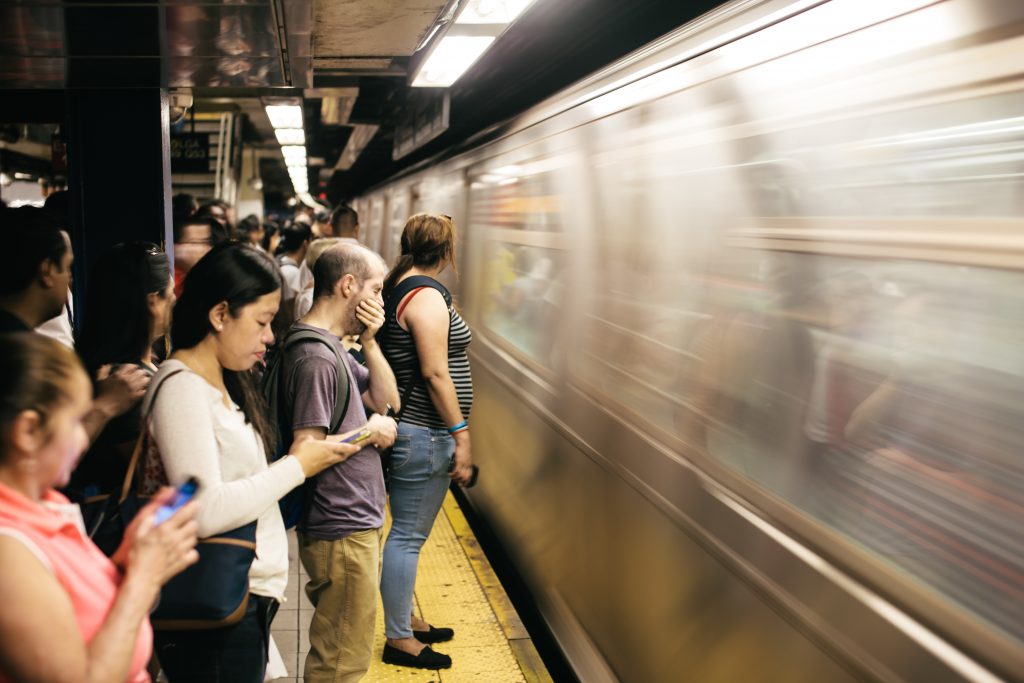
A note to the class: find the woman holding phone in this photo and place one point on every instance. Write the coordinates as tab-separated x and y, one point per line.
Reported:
209	421
425	340
69	613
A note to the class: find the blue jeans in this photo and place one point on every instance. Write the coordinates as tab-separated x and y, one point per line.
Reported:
418	483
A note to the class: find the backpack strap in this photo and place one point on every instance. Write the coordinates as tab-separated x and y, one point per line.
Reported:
408	285
342	395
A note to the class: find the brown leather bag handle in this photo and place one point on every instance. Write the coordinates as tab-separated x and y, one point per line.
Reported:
143	433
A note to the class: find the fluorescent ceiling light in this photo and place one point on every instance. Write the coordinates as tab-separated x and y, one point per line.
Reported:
284	115
450	59
290	136
294	154
492	11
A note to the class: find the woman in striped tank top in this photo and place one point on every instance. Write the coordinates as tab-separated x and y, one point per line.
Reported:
425	341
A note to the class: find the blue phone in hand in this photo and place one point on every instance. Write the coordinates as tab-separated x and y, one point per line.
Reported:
182	496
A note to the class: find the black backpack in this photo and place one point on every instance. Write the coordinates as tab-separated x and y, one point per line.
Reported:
293	505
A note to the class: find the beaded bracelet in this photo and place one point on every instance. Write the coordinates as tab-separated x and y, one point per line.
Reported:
459	427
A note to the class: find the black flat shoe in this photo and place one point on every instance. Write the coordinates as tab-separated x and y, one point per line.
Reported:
426	659
434	635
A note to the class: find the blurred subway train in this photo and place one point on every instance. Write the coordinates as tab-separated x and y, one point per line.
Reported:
749	344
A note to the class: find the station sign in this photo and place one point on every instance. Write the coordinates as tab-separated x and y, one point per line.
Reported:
190	153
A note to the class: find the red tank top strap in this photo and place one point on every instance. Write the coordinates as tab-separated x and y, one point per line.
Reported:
405	302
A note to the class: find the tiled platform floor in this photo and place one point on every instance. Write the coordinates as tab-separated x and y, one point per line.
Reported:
455	587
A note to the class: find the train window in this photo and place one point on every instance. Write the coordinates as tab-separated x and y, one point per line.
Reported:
516	206
883	397
522	296
886	400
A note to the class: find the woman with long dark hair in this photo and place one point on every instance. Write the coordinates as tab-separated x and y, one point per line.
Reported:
209	421
128	308
424	339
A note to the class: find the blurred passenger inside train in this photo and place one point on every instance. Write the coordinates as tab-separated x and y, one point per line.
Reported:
128	308
250	231
425	341
209	422
304	301
193	238
344	223
70	614
756	381
346	516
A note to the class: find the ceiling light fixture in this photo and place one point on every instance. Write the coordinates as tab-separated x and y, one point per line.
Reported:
461	43
284	115
290	136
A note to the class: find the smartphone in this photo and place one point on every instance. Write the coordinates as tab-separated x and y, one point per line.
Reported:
183	495
362	435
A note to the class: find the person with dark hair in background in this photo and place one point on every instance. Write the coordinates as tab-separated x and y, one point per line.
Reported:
209	421
425	341
58	209
251	231
183	207
35	277
341	536
291	252
345	223
35	269
70	614
322	224
220	211
131	295
271	236
193	238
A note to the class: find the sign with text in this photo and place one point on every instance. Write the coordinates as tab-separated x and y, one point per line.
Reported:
190	153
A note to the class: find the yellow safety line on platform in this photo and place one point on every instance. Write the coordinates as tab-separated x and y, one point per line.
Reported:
519	640
456	587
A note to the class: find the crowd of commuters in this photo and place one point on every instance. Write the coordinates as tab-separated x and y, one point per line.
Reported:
165	374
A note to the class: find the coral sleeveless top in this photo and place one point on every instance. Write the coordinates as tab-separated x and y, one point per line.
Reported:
54	533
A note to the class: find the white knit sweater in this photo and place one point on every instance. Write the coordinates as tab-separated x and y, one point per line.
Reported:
199	436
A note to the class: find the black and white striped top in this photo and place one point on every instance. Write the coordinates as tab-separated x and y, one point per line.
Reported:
400	351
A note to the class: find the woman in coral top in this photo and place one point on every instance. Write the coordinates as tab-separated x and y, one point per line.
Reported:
69	613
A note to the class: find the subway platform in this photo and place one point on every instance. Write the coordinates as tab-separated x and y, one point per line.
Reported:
455	587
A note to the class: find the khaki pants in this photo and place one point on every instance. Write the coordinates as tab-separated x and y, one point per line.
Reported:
344	576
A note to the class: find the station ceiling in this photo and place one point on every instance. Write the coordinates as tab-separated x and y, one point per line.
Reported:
349	60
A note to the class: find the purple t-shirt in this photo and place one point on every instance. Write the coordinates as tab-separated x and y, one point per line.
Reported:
349	496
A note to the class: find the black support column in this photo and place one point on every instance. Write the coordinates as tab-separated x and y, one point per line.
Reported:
119	172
